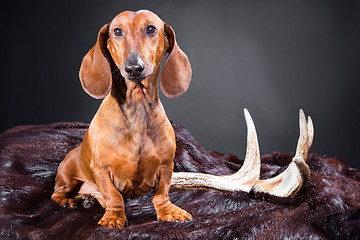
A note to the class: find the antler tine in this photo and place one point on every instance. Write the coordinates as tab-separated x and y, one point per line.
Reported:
251	166
297	174
310	131
303	142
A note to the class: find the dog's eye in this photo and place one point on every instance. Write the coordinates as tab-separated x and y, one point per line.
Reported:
150	30
118	32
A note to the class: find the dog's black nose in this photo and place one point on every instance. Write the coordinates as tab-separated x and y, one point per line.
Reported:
134	67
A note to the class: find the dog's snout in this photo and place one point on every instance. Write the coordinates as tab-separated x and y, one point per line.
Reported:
134	66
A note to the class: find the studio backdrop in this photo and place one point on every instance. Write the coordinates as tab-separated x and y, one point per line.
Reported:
271	57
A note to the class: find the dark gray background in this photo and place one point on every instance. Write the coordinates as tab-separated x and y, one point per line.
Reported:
272	57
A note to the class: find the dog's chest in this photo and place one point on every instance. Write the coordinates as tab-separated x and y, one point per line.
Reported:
132	145
142	156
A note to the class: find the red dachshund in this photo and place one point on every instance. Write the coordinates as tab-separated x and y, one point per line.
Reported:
130	144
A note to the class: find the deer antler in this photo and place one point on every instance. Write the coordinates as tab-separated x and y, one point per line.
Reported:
288	183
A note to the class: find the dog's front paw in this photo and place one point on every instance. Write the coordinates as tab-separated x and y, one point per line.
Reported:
114	219
173	213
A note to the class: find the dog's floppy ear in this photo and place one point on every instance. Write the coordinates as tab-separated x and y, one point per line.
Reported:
176	73
95	73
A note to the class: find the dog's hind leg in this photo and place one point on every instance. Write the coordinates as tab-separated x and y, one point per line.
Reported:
67	183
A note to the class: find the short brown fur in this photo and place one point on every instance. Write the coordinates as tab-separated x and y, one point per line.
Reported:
130	144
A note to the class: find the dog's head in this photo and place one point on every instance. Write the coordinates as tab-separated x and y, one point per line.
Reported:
134	43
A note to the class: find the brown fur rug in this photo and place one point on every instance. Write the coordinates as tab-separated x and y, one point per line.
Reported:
328	208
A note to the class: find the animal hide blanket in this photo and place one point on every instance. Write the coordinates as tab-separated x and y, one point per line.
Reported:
328	207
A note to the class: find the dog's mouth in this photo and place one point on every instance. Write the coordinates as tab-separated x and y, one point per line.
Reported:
139	83
136	80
